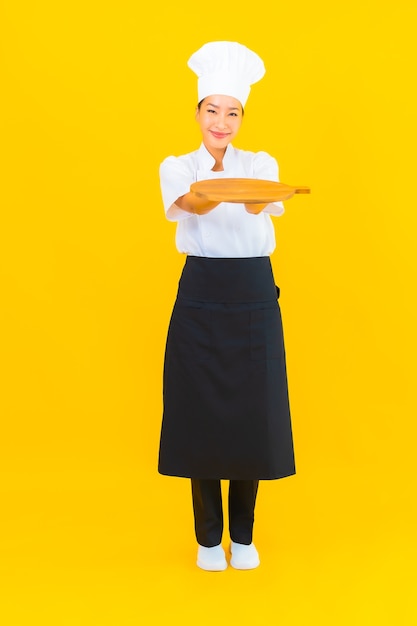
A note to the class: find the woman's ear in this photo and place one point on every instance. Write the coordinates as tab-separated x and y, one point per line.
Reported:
197	113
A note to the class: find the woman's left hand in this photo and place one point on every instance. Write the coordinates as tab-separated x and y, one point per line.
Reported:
255	208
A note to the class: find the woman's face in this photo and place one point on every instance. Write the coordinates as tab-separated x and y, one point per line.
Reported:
219	118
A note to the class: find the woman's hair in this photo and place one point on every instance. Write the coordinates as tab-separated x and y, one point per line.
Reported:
201	102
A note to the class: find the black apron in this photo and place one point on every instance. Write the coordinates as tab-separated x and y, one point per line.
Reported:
226	409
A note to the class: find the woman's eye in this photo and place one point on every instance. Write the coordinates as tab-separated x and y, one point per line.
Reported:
211	111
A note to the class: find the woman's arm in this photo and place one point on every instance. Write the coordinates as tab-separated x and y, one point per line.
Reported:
255	208
176	176
192	203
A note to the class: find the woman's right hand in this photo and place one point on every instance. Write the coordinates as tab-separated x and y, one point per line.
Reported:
195	203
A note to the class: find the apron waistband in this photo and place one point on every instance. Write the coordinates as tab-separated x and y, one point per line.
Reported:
228	280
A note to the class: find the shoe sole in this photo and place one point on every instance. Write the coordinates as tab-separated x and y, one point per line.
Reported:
244	566
212	568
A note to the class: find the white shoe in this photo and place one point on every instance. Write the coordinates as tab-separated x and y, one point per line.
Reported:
211	559
244	557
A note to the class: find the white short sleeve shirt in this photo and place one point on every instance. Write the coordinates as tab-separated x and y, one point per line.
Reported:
228	231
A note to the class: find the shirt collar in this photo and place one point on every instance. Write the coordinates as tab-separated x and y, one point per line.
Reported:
206	161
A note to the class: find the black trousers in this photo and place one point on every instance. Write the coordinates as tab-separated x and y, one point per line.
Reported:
208	510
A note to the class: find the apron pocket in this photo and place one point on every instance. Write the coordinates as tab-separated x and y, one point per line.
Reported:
266	334
192	332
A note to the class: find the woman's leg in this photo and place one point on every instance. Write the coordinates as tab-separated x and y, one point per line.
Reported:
208	511
242	499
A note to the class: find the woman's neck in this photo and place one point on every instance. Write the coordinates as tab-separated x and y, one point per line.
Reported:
218	157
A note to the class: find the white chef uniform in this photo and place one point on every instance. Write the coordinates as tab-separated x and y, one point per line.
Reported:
229	230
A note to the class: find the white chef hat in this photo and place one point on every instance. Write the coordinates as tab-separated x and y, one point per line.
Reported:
226	68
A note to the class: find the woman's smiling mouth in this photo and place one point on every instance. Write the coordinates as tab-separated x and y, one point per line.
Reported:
219	135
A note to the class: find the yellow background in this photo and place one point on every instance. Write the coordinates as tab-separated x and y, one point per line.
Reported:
94	96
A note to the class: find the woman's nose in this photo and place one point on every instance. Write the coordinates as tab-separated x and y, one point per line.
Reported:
221	122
